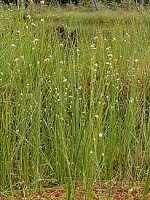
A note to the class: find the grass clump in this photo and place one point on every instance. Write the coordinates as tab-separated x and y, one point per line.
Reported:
74	103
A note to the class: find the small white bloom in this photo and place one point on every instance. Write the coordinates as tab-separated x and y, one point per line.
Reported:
16	59
110	55
18	31
93	46
35	40
127	34
29	16
96	116
46	60
100	135
131	190
33	24
61	62
95	37
13	45
96	65
107	48
91	152
64	80
42	2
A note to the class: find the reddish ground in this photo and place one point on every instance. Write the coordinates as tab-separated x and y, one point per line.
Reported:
118	192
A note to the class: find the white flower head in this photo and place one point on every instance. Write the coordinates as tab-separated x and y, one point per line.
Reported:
46	60
33	24
100	135
91	152
13	45
29	16
42	2
61	62
110	55
96	65
95	37
16	59
93	46
96	116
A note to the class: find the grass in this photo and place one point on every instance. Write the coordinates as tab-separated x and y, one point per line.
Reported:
74	107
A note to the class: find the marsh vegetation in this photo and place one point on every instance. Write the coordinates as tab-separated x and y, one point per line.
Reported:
74	101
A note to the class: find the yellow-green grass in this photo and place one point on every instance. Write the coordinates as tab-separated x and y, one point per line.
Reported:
74	107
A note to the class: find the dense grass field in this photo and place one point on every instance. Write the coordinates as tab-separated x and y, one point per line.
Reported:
75	103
